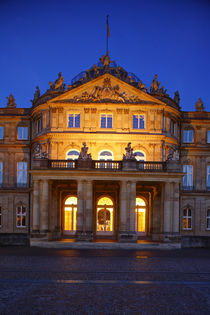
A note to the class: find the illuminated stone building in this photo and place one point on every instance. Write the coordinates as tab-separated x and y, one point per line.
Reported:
104	158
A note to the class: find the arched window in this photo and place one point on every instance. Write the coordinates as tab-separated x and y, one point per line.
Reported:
140	215
20	216
106	155
187	219
208	219
72	155
104	218
70	215
140	156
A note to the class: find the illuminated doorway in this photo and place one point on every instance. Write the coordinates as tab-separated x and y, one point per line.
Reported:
104	216
70	215
140	223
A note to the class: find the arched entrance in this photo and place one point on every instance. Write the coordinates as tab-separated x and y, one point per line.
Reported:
105	216
140	222
70	215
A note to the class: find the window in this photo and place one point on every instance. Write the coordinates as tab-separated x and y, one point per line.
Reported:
188	177
208	220
0	217
74	121
22	174
20	216
106	121
70	215
106	156
187	219
208	136
1	173
208	177
138	122
188	135
1	132
22	133
39	125
173	127
72	155
140	156
140	222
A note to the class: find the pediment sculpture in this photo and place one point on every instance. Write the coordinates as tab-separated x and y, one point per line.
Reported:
84	155
58	85
129	153
155	87
199	106
106	92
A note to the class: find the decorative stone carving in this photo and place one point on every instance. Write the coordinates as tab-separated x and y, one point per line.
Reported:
58	85
36	95
107	93
11	101
199	106
141	86
155	85
129	153
37	152
176	97
173	155
105	60
83	153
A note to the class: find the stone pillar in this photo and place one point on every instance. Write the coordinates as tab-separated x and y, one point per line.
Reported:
132	206
89	211
35	214
44	206
176	209
167	210
123	230
80	211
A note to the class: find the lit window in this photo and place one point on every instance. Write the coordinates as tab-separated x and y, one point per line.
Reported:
22	133
188	135
1	173
1	132
74	121
140	156
72	155
188	177
0	217
20	216
140	222
208	177
208	220
138	122
22	173
208	136
187	219
104	215
106	156
70	215
106	121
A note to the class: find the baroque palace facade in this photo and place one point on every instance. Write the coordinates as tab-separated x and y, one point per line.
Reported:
104	158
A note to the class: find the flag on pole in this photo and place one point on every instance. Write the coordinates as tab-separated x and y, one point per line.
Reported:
107	26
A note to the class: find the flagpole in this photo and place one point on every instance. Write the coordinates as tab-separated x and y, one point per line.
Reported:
107	33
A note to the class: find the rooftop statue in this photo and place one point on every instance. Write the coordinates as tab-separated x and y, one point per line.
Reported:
129	153
155	85
58	85
105	60
11	101
199	106
83	153
176	97
36	95
142	87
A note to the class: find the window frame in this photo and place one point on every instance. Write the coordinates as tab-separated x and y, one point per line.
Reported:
208	136
139	121
1	217
21	136
22	171
208	177
107	115
21	215
188	140
71	150
74	115
187	187
2	128
208	219
187	217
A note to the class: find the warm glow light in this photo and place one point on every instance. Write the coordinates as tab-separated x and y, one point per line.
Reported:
70	214
140	215
105	215
71	201
140	202
105	201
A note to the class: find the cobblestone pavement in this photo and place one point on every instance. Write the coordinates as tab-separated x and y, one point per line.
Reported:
52	281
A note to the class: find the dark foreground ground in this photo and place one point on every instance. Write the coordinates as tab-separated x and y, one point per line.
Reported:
51	281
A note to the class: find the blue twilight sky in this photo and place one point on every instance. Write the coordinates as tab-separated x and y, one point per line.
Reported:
40	38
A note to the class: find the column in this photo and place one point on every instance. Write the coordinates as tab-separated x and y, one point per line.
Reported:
89	207
123	206
35	214
80	206
132	206
167	209
176	208
44	206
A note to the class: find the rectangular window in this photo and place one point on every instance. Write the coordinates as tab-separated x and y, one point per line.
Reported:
1	173
208	220
188	136
39	125
0	217
22	174
208	177
187	219
74	121
22	133
208	136
138	122
188	177
106	121
20	216
1	132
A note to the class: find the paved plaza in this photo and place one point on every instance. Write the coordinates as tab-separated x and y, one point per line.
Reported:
63	281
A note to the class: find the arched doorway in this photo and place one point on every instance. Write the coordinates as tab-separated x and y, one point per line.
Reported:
140	222
105	216
70	215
